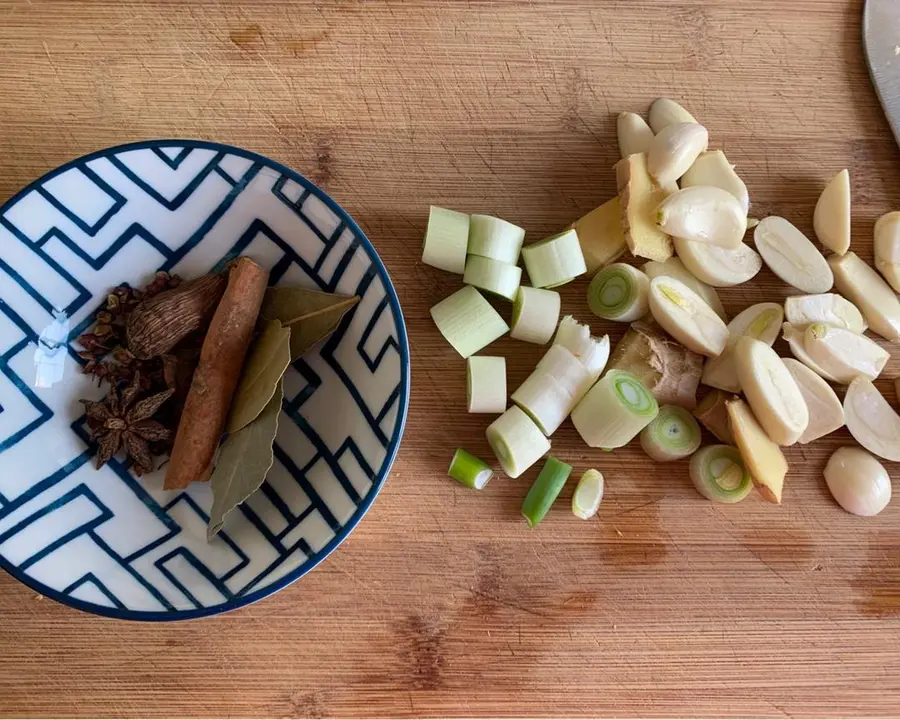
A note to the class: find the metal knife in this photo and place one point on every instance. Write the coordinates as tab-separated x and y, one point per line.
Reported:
881	41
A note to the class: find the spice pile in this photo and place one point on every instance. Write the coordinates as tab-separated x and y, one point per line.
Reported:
684	209
189	361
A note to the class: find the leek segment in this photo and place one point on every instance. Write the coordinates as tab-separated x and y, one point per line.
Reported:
672	435
469	470
535	315
446	240
619	292
719	474
516	441
467	321
614	411
486	384
493	276
588	495
494	238
554	261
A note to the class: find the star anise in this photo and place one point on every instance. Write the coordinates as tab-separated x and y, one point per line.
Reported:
121	420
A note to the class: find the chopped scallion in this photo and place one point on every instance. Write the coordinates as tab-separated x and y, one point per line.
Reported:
619	292
555	260
545	490
588	495
672	435
468	321
469	470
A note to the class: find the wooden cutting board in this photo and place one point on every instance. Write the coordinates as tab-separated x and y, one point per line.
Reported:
443	602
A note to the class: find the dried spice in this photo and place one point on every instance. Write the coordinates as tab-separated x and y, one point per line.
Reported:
244	462
122	420
266	362
159	323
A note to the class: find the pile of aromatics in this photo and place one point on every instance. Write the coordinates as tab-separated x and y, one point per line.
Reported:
187	362
680	219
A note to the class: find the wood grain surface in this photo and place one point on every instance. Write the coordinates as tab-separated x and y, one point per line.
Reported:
442	602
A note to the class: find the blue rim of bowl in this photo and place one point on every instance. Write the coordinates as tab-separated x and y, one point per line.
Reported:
393	447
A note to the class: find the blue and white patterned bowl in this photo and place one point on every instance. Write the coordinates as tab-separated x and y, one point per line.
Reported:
106	541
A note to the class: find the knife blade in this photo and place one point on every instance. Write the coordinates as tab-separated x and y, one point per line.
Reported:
881	42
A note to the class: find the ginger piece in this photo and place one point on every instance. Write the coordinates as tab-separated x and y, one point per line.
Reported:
600	234
668	370
763	458
713	415
639	197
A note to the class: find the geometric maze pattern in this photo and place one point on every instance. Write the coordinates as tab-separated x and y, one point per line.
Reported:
106	541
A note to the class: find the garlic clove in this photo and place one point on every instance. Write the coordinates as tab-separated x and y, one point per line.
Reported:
760	322
712	168
795	338
771	391
860	284
665	112
686	317
703	214
857	481
831	219
634	134
791	256
674	150
844	354
828	308
718	266
673	267
887	248
826	414
871	420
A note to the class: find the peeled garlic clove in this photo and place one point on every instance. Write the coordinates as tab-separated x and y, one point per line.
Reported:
844	354
887	248
858	482
863	286
674	150
703	214
673	267
871	421
634	134
718	266
712	168
831	220
826	414
665	112
686	317
791	256
828	308
760	322
771	391
795	338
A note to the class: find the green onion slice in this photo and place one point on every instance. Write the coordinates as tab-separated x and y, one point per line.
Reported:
588	494
719	474
493	276
672	435
614	411
554	261
468	321
545	490
619	292
469	470
446	240
494	238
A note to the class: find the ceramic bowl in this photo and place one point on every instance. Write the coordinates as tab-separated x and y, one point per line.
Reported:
111	543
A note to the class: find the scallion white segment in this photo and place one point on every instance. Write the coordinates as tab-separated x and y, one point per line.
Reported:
718	472
469	470
493	276
672	435
446	239
555	260
467	321
535	315
614	411
576	337
588	495
495	238
486	382
550	393
619	292
516	441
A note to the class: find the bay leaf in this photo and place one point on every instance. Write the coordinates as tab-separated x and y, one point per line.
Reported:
266	362
290	304
309	330
244	461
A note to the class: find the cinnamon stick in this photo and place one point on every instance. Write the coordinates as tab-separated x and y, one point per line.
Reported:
217	375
